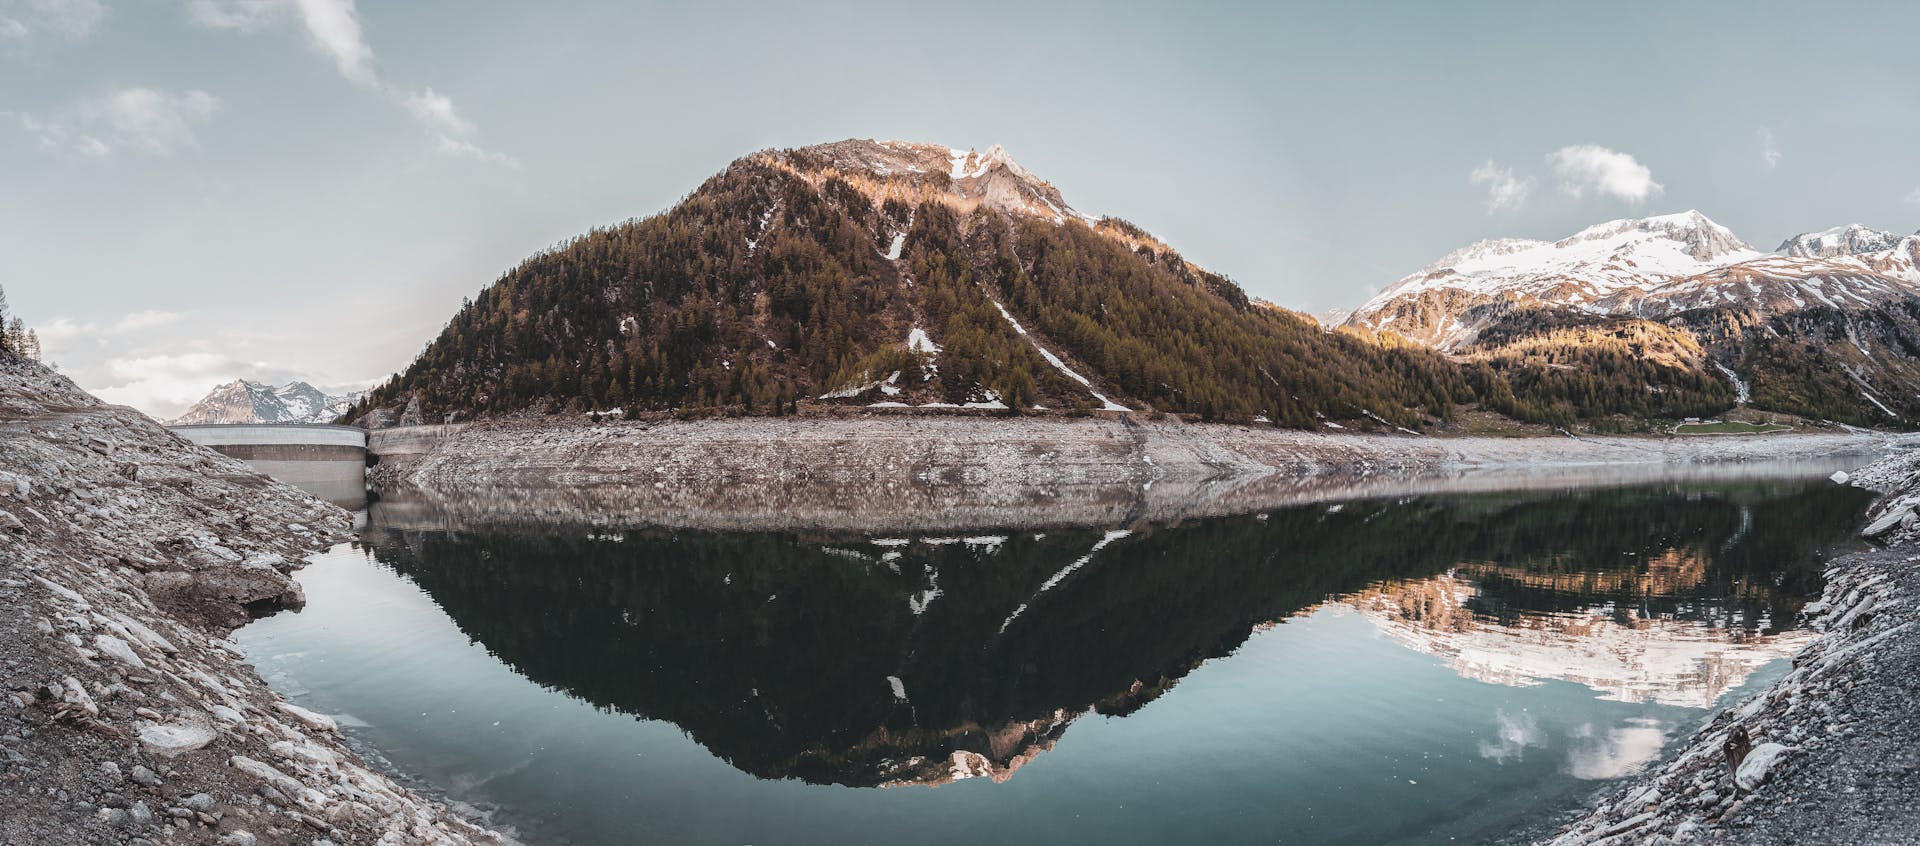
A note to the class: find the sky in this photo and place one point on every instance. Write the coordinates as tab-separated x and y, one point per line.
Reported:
193	191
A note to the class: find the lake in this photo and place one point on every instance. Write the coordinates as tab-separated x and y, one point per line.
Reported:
1411	669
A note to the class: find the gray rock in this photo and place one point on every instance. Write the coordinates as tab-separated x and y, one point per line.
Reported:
168	740
118	650
1758	766
145	776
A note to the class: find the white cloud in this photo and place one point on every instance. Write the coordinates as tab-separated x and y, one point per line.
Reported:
334	28
148	319
1769	152
141	120
59	332
437	111
71	19
1505	192
1913	196
1589	167
142	359
460	149
165	385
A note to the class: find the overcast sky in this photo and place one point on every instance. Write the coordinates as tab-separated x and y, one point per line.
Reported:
197	190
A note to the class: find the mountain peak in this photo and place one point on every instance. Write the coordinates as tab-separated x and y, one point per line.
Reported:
1850	240
1702	239
914	171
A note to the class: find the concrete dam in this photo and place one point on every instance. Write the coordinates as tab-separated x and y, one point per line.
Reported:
327	461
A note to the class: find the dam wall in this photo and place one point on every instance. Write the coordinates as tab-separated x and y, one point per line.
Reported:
327	461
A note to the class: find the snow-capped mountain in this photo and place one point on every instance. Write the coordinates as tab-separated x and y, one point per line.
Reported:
1654	267
1849	240
1825	327
241	401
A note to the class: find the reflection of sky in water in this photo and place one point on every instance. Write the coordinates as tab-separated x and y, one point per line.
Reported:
1387	716
1589	753
1614	752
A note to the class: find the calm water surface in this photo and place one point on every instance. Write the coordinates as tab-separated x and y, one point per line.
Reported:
1415	670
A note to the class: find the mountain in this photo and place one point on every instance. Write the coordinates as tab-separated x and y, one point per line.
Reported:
1828	327
1839	241
241	401
888	273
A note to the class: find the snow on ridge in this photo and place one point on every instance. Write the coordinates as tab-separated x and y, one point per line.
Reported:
1105	404
1613	267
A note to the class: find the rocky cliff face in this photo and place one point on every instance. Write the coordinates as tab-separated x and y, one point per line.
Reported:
126	555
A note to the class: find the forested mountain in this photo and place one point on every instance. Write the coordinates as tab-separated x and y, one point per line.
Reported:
1827	327
889	273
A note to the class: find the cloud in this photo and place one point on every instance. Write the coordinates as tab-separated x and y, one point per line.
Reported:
74	20
459	149
165	385
437	111
141	358
1913	196
141	120
1768	151
1505	192
1589	167
60	331
333	27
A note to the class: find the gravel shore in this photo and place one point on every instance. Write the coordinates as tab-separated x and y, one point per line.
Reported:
126	556
1830	754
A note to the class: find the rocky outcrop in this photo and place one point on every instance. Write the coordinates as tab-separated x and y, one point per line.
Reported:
1830	752
126	556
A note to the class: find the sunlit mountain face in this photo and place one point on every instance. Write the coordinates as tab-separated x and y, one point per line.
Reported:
872	660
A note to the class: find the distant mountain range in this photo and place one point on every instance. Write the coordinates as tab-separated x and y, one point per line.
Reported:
1826	326
241	401
891	274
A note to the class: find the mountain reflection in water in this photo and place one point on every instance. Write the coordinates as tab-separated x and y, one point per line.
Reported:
871	661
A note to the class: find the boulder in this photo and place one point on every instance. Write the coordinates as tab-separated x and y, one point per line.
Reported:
170	739
1758	766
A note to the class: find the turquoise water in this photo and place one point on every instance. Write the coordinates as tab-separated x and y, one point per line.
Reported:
1418	670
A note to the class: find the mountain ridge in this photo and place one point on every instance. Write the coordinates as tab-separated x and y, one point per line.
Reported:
246	401
1786	318
875	273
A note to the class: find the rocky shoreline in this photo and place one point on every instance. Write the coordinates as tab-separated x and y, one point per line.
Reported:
126	716
1831	752
925	473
